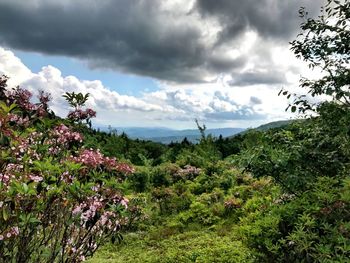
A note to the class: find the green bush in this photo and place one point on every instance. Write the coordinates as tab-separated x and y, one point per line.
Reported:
139	180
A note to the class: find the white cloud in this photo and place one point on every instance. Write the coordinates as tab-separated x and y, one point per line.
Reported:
51	80
174	105
11	65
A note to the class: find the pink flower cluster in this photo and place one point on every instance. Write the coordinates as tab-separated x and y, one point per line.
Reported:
14	231
18	120
60	137
9	172
80	115
125	168
42	107
63	134
44	98
96	213
26	146
94	207
95	159
90	158
22	98
35	178
16	172
66	177
189	171
88	209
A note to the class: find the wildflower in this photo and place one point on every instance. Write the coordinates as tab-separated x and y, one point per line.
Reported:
36	178
15	231
124	202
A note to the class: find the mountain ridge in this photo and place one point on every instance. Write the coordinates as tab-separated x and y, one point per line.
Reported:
168	135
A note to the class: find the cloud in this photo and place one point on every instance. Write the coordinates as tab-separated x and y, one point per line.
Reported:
140	37
270	18
174	105
244	114
51	80
9	64
258	77
218	102
182	41
255	101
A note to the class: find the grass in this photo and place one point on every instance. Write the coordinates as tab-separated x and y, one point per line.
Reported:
192	246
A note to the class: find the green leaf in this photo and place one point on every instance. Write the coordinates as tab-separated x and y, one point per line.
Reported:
25	188
5	214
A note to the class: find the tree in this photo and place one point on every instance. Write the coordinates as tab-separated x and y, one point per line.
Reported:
324	43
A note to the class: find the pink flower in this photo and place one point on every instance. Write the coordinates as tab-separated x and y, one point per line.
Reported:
61	136
125	168
124	202
44	98
80	115
94	159
76	210
90	158
35	178
15	231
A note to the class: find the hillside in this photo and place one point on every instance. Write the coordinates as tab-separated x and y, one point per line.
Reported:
166	135
247	207
265	196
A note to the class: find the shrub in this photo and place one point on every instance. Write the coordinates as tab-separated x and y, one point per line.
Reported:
58	201
139	180
163	175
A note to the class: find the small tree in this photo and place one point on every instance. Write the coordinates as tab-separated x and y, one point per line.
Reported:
324	43
77	101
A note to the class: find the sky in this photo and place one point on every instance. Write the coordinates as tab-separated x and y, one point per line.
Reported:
160	63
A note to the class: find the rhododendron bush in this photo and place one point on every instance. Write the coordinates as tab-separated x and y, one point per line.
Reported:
58	200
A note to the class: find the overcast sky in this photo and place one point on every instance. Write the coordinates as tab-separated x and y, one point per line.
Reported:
158	62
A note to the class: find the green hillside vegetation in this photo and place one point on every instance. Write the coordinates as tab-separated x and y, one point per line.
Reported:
71	193
272	125
283	197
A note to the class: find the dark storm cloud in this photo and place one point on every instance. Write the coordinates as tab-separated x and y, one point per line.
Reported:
138	37
256	77
277	19
127	35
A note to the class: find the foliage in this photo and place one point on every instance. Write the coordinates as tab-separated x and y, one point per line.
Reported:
313	227
58	201
187	247
324	43
78	115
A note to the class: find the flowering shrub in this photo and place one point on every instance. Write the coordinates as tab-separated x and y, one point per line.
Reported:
79	114
189	172
58	201
77	101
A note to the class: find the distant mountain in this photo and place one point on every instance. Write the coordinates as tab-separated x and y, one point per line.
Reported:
268	126
274	124
169	139
166	135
